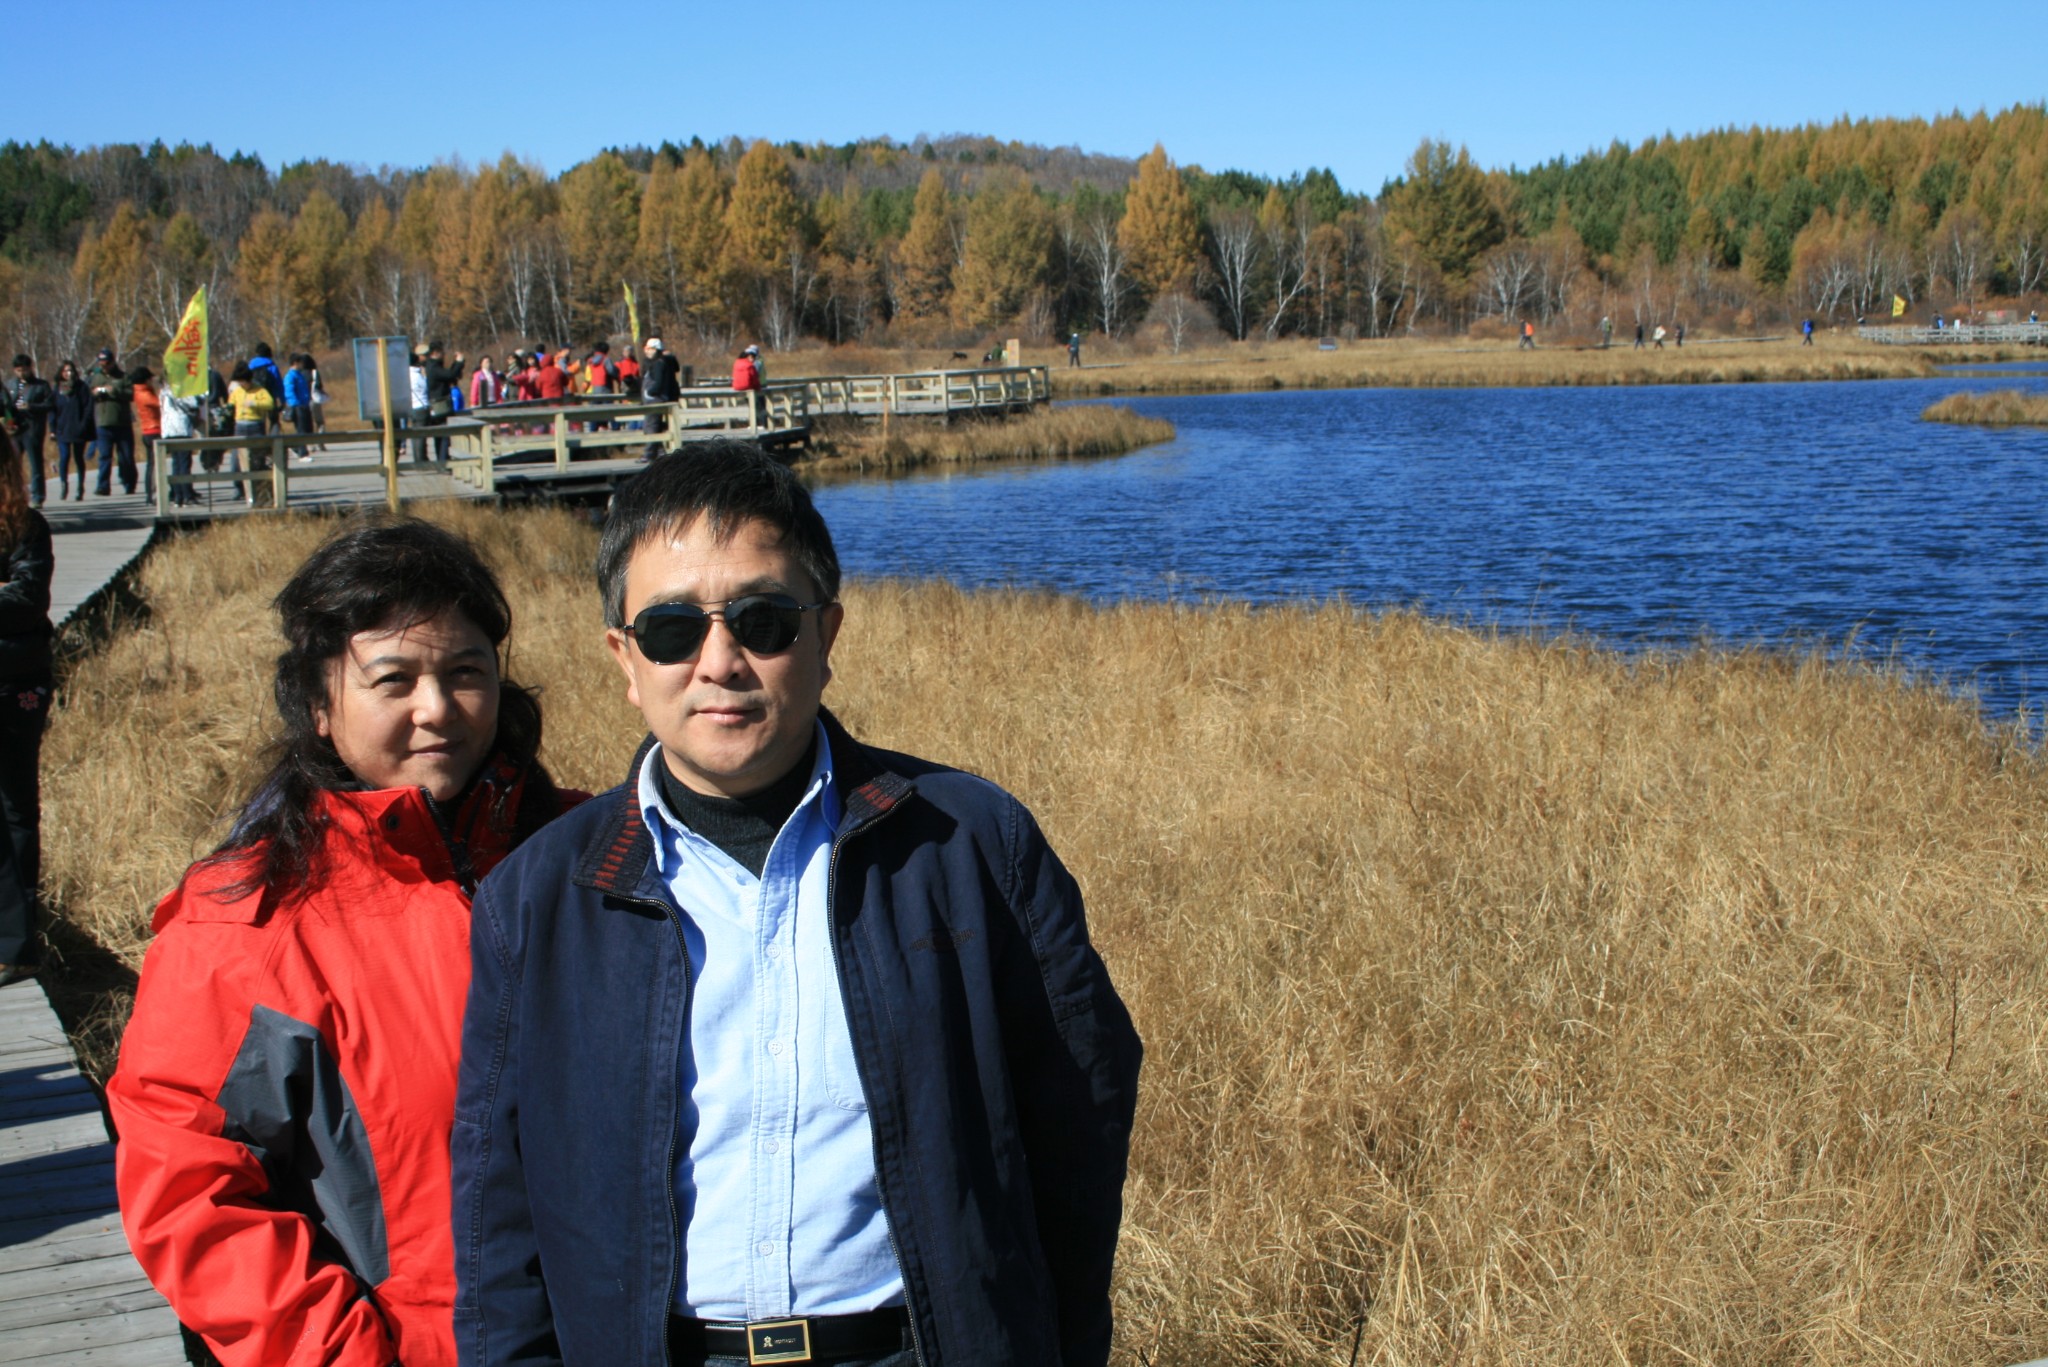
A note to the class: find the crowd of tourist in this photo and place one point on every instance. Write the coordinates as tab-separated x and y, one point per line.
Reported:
105	422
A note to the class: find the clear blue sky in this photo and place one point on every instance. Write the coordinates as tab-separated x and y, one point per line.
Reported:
1270	88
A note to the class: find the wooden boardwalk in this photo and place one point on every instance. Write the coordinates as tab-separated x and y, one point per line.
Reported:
1957	334
70	1291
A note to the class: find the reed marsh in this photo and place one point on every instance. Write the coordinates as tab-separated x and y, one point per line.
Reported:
1068	433
1458	362
1998	408
1506	1001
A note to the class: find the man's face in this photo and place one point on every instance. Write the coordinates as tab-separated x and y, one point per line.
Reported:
730	723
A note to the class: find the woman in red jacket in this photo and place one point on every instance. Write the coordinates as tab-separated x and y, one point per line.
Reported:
287	1083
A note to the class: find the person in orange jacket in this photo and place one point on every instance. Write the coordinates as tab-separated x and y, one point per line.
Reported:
286	1088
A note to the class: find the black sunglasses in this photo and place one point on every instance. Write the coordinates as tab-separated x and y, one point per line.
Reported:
762	623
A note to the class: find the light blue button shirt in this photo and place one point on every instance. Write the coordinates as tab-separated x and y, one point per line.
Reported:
775	1160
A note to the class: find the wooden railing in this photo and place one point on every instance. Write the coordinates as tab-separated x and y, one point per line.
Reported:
278	479
541	439
934	392
553	441
1959	334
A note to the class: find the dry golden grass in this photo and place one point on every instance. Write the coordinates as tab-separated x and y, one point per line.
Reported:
1296	363
1505	1002
1041	434
1999	408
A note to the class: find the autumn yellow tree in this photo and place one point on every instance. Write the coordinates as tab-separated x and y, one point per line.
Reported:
117	259
682	239
1003	256
1442	207
1161	232
319	263
263	276
371	269
600	223
765	239
183	261
923	267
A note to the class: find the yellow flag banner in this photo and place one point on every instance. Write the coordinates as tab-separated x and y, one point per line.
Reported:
185	361
632	316
1898	307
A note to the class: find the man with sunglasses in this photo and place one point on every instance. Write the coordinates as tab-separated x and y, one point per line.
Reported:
787	1049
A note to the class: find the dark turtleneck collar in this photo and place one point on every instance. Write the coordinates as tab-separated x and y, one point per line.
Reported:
744	827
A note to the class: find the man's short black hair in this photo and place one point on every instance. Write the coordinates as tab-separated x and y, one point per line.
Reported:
21	359
730	481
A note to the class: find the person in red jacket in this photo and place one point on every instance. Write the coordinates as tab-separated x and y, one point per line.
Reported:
286	1087
746	378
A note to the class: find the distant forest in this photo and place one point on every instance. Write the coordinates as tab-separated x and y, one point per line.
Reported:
938	241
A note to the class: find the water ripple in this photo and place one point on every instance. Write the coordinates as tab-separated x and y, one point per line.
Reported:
1649	515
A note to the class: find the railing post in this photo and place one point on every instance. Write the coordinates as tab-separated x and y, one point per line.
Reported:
279	460
561	439
163	479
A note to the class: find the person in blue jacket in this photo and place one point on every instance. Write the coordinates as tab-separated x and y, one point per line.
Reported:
298	398
786	1048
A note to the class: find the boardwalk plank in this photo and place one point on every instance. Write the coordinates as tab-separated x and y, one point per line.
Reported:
79	1303
83	1242
115	1269
33	1345
71	1292
38	1135
147	1353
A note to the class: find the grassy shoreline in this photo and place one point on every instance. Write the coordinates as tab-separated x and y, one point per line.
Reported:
1453	363
1042	434
1505	1000
1999	408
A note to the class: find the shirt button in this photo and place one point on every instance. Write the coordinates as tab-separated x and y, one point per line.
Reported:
775	1047
764	1248
774	951
773	1146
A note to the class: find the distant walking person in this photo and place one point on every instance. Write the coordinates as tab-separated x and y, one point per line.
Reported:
30	401
24	707
661	382
149	424
71	421
1639	337
113	428
746	379
180	419
442	379
486	384
298	399
1074	350
263	369
254	408
1528	335
1681	334
1657	338
1806	333
1606	331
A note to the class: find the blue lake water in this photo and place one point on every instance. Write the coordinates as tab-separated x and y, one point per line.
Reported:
1775	513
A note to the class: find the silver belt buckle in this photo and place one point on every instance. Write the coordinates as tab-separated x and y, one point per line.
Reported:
778	1341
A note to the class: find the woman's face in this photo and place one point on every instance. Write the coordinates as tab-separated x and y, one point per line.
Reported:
414	707
67	371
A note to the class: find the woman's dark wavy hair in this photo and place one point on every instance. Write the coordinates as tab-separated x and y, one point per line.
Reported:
389	572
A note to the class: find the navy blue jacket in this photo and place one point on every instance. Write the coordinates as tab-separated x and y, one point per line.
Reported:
999	1067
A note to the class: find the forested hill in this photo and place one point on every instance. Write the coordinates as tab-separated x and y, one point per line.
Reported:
935	237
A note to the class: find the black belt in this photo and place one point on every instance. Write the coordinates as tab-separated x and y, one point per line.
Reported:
822	1338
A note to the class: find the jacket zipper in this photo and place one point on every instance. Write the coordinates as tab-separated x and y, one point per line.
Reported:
874	1139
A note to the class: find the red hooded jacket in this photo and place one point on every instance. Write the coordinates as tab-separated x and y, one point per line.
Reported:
287	1086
